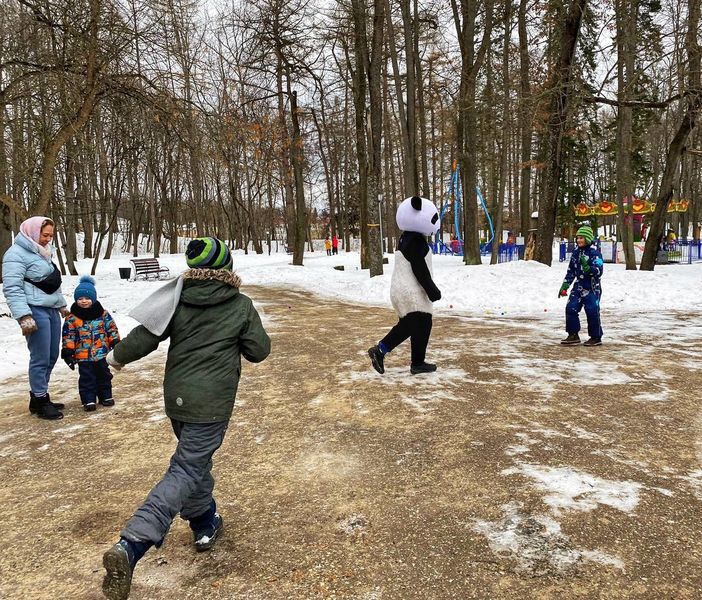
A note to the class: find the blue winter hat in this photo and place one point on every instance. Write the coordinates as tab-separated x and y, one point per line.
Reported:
86	289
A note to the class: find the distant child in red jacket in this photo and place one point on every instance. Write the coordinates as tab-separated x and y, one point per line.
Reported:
89	333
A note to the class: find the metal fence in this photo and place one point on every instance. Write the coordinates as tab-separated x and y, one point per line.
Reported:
682	252
607	248
505	253
678	252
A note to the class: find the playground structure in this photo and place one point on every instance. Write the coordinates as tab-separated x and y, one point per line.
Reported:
454	200
634	208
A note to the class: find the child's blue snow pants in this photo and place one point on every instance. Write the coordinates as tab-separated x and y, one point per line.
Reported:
590	299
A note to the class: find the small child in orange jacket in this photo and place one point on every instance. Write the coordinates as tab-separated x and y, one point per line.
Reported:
89	333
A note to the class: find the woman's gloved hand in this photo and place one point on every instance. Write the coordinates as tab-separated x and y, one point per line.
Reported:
28	325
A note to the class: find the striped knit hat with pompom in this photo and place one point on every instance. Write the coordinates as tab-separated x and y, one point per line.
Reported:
208	253
86	289
587	233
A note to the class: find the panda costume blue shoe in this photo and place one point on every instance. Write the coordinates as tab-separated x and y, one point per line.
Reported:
412	289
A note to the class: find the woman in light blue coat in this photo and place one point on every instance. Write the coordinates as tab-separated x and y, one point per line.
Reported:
32	288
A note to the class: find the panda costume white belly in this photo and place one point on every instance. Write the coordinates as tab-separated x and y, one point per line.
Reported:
406	293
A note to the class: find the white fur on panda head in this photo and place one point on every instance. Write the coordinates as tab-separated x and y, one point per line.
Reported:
418	214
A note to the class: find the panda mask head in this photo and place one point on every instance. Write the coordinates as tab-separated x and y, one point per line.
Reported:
418	215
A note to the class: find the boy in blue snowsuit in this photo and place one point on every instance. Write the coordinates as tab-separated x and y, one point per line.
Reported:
585	268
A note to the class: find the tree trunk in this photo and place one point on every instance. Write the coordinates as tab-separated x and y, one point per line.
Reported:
375	251
467	138
359	78
411	170
677	145
504	151
560	90
76	123
627	17
526	123
296	158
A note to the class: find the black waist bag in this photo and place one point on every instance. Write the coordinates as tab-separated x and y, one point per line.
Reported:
49	284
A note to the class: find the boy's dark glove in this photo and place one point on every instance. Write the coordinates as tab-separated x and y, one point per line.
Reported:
69	358
435	295
564	290
585	263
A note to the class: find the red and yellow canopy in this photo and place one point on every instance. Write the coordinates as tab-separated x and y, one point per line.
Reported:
606	208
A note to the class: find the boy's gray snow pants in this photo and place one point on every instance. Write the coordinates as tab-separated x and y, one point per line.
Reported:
187	486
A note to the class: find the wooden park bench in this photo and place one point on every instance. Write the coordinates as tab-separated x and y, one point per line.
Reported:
148	268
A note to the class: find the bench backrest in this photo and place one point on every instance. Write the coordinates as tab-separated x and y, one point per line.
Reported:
145	265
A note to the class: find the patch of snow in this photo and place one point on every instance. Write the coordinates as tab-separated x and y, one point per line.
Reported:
70	428
549	433
536	543
584	434
603	558
516	449
569	489
695	480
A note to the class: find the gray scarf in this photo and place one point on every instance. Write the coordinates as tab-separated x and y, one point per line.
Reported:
157	310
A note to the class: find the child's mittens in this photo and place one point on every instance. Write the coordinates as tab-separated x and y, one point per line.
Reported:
69	358
28	325
564	290
112	361
435	295
585	262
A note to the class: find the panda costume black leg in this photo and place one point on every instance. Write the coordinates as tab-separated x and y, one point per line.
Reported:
412	289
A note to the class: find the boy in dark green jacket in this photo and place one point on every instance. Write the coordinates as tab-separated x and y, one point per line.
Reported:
210	326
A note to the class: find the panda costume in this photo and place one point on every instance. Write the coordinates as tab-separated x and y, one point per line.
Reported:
412	289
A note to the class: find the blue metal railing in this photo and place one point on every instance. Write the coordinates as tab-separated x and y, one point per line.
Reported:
683	251
608	249
680	251
505	253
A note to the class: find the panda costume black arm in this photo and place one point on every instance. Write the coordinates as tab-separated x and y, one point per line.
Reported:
414	248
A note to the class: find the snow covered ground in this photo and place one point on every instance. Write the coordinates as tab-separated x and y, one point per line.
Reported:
636	301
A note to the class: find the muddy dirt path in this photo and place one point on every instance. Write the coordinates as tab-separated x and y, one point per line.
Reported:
520	469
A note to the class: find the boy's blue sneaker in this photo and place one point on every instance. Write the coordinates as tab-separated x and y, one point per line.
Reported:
119	562
206	529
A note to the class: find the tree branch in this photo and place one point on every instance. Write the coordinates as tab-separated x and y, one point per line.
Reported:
635	103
